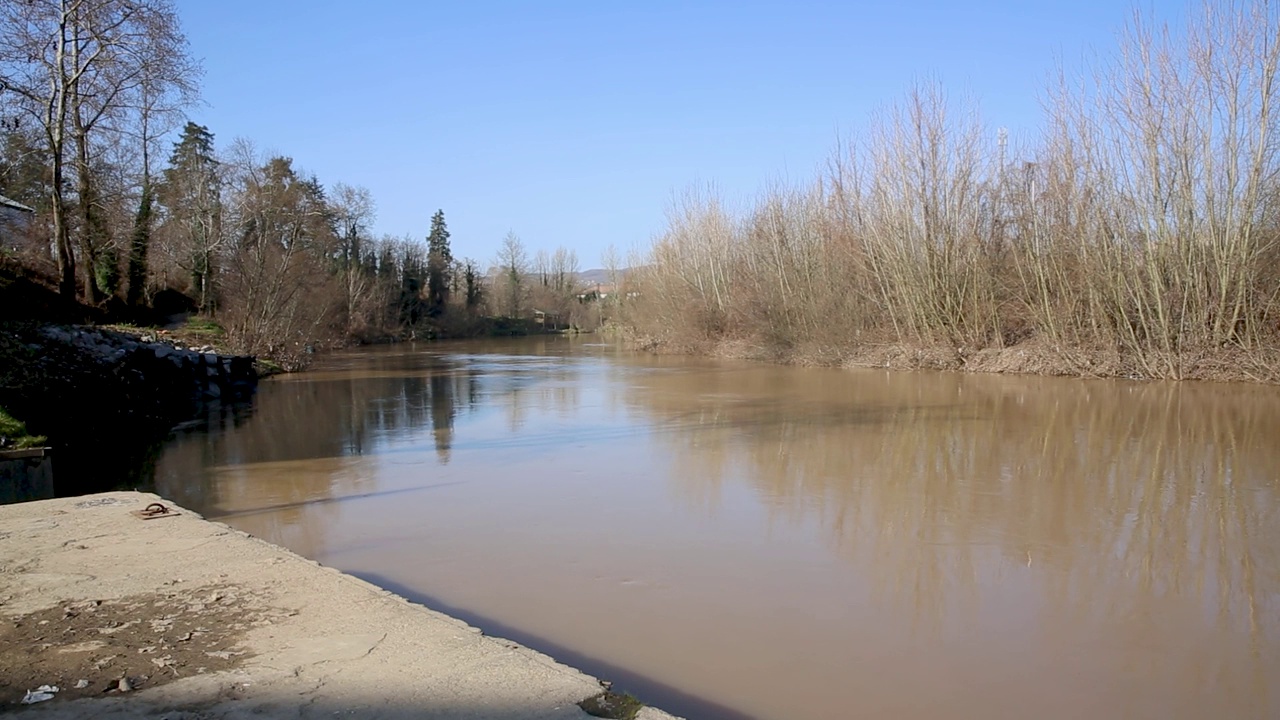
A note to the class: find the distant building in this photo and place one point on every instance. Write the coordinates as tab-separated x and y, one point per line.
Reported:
604	291
8	207
601	291
15	222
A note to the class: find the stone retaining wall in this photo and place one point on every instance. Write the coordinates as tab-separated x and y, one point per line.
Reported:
25	475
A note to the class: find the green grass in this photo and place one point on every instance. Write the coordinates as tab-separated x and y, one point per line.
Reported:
203	327
267	367
15	432
611	705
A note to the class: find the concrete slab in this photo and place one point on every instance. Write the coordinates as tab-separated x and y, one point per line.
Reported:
204	622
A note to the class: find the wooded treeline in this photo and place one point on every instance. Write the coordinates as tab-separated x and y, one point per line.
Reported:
136	205
1136	237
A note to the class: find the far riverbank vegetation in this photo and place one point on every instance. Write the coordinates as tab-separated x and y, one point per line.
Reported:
119	208
1137	236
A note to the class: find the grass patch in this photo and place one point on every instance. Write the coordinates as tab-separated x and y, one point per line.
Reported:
14	435
203	327
611	705
267	367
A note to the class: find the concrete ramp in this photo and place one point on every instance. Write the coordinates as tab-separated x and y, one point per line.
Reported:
168	615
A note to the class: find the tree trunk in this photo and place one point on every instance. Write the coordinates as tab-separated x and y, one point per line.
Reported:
55	126
62	235
138	247
92	223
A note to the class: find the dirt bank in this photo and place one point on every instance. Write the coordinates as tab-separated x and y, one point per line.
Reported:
1032	356
181	618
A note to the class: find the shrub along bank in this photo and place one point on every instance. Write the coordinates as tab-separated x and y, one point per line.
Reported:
1138	236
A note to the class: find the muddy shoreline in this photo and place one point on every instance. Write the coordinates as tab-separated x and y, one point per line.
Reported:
1033	356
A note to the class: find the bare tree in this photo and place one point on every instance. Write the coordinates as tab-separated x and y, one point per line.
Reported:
167	86
540	268
512	275
564	271
354	212
612	263
191	191
74	65
38	71
279	294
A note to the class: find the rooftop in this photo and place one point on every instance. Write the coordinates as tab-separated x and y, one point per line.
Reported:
6	202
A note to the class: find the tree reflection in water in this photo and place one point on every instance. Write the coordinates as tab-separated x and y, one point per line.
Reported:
971	535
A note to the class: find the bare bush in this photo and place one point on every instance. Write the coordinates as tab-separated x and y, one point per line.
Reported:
279	295
1138	236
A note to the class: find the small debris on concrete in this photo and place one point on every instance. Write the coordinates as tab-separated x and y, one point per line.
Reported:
103	502
90	645
40	694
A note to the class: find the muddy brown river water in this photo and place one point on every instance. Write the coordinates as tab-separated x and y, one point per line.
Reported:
735	540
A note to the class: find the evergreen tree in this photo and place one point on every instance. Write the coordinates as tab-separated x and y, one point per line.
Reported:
138	246
439	265
192	193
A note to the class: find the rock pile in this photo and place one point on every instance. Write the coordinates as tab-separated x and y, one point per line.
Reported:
207	374
106	399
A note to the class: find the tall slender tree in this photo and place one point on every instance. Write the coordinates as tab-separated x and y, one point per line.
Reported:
158	101
139	243
439	265
191	192
355	260
472	283
512	273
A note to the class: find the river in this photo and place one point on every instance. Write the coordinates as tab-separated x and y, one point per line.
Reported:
735	540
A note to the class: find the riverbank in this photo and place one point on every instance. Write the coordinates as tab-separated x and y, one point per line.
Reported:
186	617
1032	356
105	398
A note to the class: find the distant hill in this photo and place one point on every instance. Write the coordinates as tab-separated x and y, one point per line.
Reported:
598	275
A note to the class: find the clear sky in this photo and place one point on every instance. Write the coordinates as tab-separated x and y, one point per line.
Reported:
575	123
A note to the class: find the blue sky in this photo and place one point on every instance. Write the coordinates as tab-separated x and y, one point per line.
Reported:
575	123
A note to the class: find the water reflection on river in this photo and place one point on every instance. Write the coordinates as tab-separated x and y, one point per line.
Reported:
769	542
